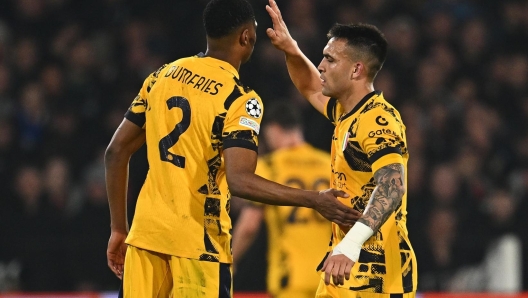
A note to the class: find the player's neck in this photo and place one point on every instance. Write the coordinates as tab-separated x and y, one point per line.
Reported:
222	50
356	94
220	55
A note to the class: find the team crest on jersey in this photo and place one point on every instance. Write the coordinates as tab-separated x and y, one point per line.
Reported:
253	108
345	141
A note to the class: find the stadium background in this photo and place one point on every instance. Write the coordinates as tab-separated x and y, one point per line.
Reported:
457	71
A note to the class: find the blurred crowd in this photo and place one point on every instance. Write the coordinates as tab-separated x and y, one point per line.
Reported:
457	71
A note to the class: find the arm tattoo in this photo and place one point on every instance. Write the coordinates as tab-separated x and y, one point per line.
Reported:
386	197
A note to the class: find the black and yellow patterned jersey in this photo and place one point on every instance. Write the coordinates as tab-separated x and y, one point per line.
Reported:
191	109
295	234
366	139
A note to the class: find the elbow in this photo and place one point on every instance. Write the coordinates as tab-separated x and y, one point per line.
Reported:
114	153
237	186
403	190
110	153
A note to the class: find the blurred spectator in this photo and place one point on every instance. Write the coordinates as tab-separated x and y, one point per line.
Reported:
438	248
91	230
30	237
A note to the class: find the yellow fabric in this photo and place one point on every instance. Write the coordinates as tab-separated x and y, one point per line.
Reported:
331	291
366	139
297	237
191	109
154	275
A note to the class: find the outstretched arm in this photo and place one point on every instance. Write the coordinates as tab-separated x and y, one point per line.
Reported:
240	164
385	199
303	72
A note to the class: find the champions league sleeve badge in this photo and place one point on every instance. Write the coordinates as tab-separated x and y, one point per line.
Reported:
253	108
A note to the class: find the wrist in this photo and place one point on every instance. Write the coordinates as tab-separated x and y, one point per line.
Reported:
351	245
312	201
119	228
292	49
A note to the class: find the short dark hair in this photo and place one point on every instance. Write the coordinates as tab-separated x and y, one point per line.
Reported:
286	115
367	40
222	17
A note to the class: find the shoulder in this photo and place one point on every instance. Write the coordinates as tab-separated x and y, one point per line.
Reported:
379	106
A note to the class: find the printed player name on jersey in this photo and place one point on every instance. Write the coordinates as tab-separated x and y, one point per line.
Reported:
200	82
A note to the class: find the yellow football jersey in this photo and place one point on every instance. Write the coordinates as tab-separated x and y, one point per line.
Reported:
297	237
191	109
366	139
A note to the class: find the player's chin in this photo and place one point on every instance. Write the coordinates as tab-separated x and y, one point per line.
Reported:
326	92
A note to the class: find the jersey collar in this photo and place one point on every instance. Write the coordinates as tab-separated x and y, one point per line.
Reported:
360	104
219	63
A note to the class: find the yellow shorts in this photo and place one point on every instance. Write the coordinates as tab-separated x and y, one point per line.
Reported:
331	291
150	274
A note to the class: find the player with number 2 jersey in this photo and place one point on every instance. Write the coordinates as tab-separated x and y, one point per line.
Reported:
204	109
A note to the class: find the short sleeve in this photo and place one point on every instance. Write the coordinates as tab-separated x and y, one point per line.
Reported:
242	123
380	134
136	111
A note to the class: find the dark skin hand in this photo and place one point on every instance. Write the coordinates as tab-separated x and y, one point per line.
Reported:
243	182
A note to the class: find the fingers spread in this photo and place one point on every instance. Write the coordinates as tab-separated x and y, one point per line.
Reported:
273	15
277	10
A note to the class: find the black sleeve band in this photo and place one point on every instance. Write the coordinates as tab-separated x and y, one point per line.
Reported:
137	119
384	152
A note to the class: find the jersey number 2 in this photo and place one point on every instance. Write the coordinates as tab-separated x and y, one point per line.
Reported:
172	138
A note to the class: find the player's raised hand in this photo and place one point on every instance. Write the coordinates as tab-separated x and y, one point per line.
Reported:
280	36
115	253
339	267
332	209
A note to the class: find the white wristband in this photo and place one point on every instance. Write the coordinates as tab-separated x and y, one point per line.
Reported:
350	246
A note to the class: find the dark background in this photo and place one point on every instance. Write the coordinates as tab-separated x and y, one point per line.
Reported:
457	71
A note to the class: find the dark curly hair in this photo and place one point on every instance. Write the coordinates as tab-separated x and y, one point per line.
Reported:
221	17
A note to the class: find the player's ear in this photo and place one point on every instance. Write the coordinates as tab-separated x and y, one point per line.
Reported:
358	68
244	37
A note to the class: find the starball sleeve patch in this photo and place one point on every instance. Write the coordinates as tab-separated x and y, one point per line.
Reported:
253	108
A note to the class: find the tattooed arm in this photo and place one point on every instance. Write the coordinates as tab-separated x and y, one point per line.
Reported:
385	199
